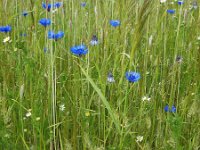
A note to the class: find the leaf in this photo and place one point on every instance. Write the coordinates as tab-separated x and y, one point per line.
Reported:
105	102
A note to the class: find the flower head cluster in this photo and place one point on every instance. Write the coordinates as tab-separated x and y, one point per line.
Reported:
46	6
194	5
94	40
110	77
57	4
49	6
145	98
132	76
83	4
171	11
139	138
23	34
24	13
5	29
79	50
45	49
115	23
180	2
179	59
7	39
55	36
62	107
45	22
167	109
28	114
163	1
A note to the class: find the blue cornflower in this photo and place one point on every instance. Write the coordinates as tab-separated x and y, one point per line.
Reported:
180	2
173	110
79	50
167	109
51	35
114	23
171	11
55	36
25	13
58	4
94	40
83	4
194	5
110	77
58	35
132	76
5	29
49	6
45	22
179	59
46	6
23	34
45	50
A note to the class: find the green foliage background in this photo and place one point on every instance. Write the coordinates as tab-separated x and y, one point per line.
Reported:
100	115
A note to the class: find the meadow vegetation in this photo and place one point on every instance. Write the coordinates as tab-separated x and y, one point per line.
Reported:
60	90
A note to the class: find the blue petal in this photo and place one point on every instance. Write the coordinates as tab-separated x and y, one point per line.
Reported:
85	52
23	34
8	28
59	35
82	46
114	23
170	11
51	34
132	76
5	28
45	22
180	2
79	50
58	4
24	13
49	7
73	49
173	110
83	4
44	5
166	109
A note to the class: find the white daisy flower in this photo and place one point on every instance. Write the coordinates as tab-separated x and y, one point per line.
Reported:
7	39
145	98
62	107
53	11
37	119
163	1
139	138
28	114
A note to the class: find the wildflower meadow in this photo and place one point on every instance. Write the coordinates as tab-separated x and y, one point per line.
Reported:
99	75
